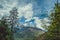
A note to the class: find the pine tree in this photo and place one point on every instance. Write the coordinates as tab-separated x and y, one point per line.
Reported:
13	21
54	28
5	32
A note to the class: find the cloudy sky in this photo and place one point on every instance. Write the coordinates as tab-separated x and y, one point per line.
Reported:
31	12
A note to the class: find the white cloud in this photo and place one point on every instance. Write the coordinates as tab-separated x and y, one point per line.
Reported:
7	6
47	24
25	24
46	21
29	24
26	11
38	23
27	20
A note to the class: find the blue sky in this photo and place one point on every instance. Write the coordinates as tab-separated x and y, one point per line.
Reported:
31	12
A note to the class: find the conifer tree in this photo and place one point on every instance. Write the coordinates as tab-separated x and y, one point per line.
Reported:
13	20
5	33
54	28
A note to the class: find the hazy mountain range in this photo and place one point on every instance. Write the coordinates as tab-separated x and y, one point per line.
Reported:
27	33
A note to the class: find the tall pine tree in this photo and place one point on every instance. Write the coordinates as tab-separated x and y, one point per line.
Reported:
13	20
54	29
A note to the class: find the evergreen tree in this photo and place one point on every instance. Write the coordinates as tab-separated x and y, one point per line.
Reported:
5	32
54	28
13	21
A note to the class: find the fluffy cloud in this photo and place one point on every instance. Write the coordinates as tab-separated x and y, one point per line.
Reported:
28	20
38	22
26	11
25	24
42	23
7	6
46	21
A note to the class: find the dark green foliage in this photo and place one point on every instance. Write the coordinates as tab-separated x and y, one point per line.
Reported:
5	33
54	28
